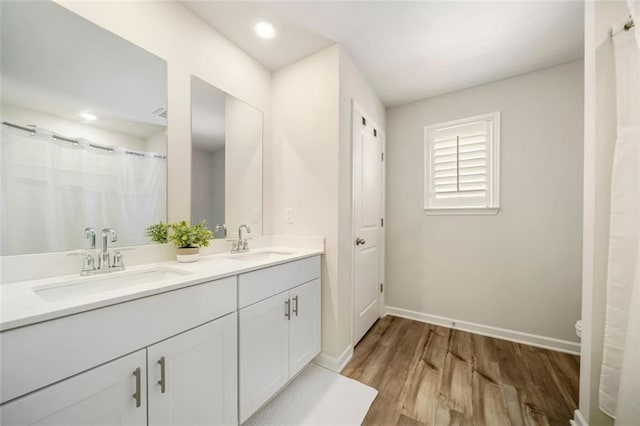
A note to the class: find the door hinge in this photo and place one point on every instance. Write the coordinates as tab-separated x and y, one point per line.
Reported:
382	222
382	156
381	287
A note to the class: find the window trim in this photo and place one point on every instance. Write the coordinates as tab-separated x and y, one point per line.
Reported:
494	173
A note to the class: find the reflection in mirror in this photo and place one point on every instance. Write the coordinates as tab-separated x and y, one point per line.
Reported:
226	160
83	135
208	152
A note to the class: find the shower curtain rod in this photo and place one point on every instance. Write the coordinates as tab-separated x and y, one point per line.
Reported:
628	25
32	130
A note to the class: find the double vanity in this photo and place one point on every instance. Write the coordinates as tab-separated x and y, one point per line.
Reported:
166	343
202	343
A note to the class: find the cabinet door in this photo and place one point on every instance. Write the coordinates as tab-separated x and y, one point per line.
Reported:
264	352
305	329
105	395
193	376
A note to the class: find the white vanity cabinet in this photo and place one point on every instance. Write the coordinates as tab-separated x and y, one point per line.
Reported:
193	376
193	331
279	326
208	353
305	327
101	396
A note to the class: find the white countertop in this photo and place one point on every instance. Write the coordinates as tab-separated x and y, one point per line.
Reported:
20	305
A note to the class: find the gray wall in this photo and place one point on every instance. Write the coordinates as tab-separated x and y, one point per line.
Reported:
521	269
311	159
207	187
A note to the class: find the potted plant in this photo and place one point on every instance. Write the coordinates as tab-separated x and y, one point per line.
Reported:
158	233
186	237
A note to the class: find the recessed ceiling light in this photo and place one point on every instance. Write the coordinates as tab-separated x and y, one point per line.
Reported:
88	116
264	30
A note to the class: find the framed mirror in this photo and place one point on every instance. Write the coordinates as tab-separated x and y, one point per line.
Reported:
83	134
226	161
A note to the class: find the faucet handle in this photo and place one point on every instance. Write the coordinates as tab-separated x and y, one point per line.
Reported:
88	262
117	260
90	234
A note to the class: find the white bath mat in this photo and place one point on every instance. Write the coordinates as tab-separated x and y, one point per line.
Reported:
317	397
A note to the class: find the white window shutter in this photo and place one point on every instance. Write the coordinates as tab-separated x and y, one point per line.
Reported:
462	166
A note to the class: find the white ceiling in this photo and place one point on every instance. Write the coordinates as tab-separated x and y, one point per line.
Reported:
410	50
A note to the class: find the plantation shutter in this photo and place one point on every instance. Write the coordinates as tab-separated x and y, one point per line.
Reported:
460	164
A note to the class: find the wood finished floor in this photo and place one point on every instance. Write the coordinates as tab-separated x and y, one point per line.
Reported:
431	375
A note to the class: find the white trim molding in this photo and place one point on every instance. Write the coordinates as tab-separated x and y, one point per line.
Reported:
335	364
578	419
462	211
490	331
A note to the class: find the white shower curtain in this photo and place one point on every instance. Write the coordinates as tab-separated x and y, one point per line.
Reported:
51	190
620	376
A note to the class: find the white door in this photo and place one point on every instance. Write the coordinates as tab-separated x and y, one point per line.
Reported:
192	376
368	169
304	330
112	394
264	351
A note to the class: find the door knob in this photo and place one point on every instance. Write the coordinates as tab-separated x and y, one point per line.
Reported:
360	241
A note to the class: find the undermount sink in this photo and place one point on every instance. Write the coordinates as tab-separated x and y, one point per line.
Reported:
255	256
102	283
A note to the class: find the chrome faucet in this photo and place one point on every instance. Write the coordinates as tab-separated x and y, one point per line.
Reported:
222	227
241	245
104	257
104	261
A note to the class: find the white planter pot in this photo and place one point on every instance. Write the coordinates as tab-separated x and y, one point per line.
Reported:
189	254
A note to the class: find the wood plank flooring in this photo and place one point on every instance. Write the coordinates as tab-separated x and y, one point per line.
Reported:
431	375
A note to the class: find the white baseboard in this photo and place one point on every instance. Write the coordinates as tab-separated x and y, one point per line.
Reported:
487	330
335	364
578	419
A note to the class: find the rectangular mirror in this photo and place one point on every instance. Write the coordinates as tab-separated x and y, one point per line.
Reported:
83	135
226	160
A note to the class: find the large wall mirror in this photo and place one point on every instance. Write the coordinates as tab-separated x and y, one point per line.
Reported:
83	134
226	160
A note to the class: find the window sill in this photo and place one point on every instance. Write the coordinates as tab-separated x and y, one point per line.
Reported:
462	211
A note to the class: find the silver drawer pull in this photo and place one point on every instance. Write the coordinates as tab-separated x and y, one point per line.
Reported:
295	306
162	382
287	310
138	394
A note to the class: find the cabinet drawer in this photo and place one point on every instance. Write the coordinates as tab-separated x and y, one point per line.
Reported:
259	285
38	355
